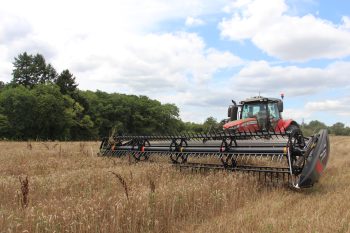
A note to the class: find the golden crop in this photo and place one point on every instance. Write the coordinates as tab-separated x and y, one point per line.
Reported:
70	189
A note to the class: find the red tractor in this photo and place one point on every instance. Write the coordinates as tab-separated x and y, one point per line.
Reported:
257	114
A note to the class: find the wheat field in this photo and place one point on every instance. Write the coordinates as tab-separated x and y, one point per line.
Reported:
65	187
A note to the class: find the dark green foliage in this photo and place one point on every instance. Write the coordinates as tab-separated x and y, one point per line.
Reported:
336	129
5	128
211	124
2	85
54	112
129	114
313	127
339	129
17	105
30	70
193	127
43	112
66	82
34	113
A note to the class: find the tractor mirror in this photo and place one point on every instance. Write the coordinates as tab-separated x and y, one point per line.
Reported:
229	111
280	106
232	113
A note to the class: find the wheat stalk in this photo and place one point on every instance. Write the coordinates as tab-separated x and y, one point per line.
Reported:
123	183
25	191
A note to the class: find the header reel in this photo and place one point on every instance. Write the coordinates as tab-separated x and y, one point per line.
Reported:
274	155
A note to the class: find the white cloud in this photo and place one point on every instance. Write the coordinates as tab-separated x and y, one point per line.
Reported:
346	22
110	41
13	28
191	21
297	114
286	37
93	27
200	102
340	107
328	111
327	105
155	62
293	81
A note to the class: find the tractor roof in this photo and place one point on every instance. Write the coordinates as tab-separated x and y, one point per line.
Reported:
259	99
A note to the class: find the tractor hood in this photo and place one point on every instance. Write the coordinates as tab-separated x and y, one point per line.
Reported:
240	123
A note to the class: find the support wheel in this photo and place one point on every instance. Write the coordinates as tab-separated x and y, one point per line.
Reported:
296	144
177	146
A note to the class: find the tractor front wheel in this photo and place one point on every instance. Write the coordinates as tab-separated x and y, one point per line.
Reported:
292	128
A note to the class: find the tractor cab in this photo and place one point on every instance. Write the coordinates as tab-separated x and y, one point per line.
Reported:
255	114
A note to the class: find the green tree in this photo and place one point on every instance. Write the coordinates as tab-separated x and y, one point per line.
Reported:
31	70
192	127
66	82
38	113
82	127
16	107
338	129
54	113
211	124
2	85
312	127
169	119
317	125
130	114
5	128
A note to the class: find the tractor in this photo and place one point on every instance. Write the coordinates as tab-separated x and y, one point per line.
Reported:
258	114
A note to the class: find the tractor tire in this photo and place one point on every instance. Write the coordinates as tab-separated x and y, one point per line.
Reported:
292	128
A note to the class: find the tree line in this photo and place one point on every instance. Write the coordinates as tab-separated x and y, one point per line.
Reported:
336	129
41	104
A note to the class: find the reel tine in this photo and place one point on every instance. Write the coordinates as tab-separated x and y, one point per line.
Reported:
117	153
215	135
268	133
251	133
277	135
286	133
198	136
188	136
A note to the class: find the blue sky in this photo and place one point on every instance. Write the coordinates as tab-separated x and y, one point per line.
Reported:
198	54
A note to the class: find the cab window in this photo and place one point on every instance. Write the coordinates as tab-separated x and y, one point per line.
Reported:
252	110
273	109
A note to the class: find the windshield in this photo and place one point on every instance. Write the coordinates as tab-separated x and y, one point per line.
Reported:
273	109
252	109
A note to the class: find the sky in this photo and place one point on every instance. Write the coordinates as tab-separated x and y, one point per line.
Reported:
198	54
